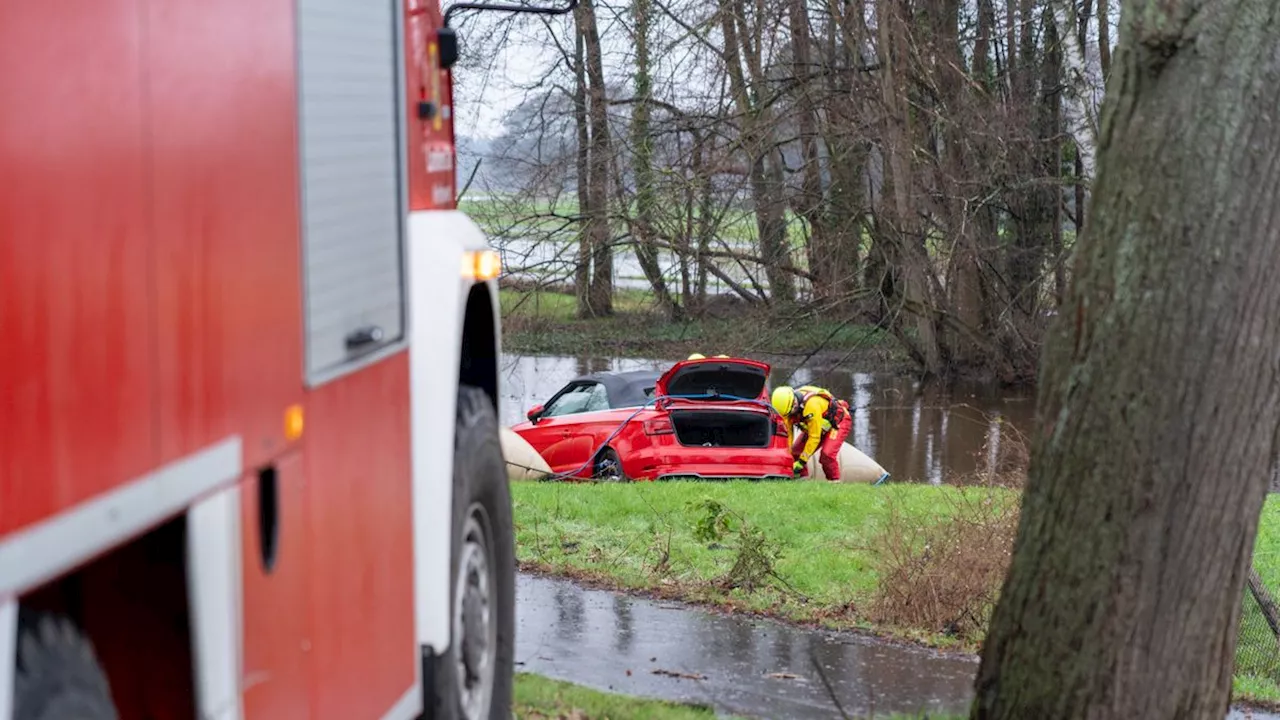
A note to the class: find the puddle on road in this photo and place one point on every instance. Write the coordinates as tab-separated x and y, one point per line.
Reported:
744	665
739	665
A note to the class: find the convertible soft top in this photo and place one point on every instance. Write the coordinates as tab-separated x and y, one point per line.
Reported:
625	389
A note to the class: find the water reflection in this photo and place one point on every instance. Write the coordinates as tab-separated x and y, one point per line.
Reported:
623	637
569	613
918	433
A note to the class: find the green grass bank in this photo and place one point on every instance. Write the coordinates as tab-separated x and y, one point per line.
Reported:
647	537
540	698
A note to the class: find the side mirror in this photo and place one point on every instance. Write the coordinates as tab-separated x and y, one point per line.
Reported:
448	39
447	42
535	414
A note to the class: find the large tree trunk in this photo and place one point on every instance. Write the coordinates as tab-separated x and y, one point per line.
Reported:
597	213
1159	400
1104	38
810	203
705	227
759	142
582	271
642	166
903	251
842	127
962	169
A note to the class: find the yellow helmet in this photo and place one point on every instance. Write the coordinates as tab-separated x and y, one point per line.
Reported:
697	356
784	400
722	356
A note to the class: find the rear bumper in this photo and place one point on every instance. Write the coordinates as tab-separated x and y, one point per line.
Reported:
722	474
760	464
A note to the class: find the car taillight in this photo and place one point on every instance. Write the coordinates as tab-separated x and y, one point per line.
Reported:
657	426
779	429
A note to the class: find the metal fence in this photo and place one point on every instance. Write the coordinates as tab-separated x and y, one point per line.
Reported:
1258	645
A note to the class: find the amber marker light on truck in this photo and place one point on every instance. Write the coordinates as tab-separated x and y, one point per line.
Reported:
293	422
481	264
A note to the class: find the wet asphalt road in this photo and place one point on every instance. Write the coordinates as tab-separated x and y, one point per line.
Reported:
738	665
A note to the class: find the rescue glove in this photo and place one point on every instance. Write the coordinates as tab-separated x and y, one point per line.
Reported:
797	469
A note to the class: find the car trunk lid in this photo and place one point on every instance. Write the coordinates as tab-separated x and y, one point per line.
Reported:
714	379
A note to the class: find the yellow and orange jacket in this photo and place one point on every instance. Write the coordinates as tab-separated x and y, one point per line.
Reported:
818	414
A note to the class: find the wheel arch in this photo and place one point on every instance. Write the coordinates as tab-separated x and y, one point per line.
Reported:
481	341
141	640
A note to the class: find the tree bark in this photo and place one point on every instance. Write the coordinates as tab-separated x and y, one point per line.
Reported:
758	141
704	228
582	271
597	213
810	202
903	248
1104	38
1160	395
642	165
841	122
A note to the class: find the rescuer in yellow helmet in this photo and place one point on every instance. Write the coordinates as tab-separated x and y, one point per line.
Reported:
826	422
697	356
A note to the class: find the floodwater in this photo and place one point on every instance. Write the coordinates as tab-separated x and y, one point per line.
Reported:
739	665
917	436
736	664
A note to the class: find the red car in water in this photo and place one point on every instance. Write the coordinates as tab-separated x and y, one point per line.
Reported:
705	418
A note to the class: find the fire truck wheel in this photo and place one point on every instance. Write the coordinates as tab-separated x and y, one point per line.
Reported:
474	678
58	676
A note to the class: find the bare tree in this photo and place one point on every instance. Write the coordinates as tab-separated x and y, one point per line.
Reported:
908	164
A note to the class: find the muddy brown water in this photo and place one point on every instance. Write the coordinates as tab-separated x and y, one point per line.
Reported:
918	436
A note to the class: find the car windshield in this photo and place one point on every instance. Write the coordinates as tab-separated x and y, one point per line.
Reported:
583	398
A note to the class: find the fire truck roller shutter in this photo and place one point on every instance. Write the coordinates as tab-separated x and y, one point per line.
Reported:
352	182
482	572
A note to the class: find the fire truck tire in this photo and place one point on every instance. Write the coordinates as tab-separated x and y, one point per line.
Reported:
474	678
58	675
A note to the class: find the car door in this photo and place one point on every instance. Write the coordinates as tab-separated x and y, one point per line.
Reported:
558	428
594	425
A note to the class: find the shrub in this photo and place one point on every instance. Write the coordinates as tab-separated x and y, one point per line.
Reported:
755	554
945	577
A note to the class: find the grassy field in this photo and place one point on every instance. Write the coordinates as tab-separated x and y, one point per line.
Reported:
546	323
644	537
823	542
547	219
539	698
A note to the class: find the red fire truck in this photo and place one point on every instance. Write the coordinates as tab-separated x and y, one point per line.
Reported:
249	461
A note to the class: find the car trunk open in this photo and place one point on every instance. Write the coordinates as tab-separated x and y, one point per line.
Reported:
722	428
714	379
